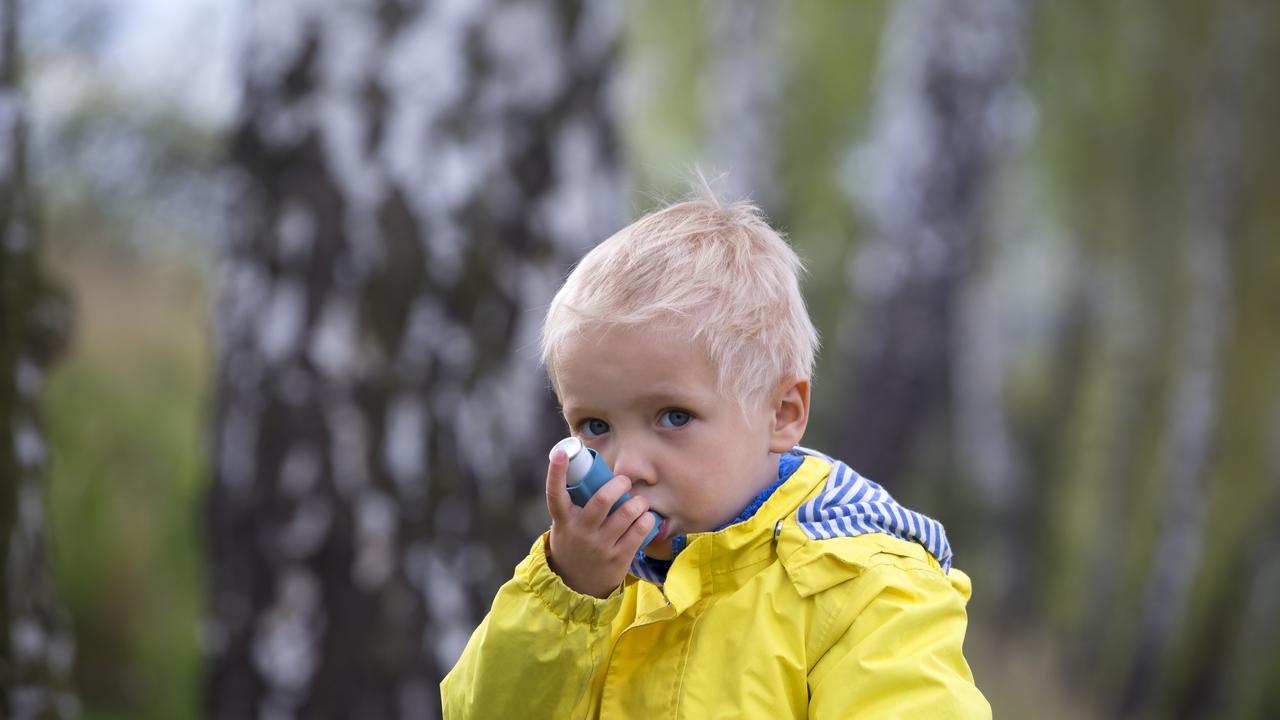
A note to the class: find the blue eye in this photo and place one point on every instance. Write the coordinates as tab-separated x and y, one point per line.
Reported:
674	418
593	427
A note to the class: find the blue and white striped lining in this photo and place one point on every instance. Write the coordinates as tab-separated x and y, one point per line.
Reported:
647	568
851	505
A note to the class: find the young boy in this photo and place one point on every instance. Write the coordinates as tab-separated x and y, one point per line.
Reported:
780	583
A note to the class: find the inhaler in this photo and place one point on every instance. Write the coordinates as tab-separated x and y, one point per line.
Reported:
587	473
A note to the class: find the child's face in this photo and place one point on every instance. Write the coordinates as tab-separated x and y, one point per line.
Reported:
647	401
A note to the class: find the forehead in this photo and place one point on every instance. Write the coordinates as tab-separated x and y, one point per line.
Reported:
626	365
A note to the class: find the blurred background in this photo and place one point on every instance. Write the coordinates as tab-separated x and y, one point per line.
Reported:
274	429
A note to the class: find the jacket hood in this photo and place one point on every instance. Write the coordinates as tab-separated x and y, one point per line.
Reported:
851	505
847	505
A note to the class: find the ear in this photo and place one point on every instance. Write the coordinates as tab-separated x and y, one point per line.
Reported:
790	405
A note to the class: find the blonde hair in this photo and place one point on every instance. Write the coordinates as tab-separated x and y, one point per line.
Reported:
718	271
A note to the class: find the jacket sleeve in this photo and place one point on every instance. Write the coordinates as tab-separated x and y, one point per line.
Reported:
900	654
534	654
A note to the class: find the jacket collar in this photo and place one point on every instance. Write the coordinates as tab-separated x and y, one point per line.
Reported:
721	561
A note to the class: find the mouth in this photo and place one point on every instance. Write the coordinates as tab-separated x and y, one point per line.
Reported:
664	530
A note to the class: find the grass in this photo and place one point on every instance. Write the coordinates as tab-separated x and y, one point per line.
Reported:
125	415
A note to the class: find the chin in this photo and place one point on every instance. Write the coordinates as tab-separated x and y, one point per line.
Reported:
659	549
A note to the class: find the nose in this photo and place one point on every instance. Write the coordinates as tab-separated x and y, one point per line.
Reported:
634	461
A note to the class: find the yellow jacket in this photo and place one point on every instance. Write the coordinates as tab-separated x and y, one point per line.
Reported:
756	620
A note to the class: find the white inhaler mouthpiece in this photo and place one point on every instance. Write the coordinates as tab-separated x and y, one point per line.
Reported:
579	459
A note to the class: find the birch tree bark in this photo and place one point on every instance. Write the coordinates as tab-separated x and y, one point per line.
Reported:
411	181
36	646
925	349
742	94
1194	411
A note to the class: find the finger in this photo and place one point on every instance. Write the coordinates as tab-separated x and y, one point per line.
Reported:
639	529
621	520
558	500
597	508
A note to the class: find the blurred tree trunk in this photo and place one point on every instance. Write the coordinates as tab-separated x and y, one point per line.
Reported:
1238	663
36	647
411	181
1240	679
742	94
926	350
1214	199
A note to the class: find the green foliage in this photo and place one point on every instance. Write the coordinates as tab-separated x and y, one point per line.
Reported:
125	414
661	107
831	59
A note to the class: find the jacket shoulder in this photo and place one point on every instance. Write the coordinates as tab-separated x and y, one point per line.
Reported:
818	565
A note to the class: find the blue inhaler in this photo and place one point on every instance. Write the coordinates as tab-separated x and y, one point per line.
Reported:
587	473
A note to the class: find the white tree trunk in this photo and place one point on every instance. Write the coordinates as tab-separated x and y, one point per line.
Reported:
947	107
412	181
36	646
1214	201
742	91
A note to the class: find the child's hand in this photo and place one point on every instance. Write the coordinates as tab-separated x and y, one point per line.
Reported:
591	550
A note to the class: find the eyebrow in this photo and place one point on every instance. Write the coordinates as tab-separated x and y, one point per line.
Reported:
666	398
655	398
